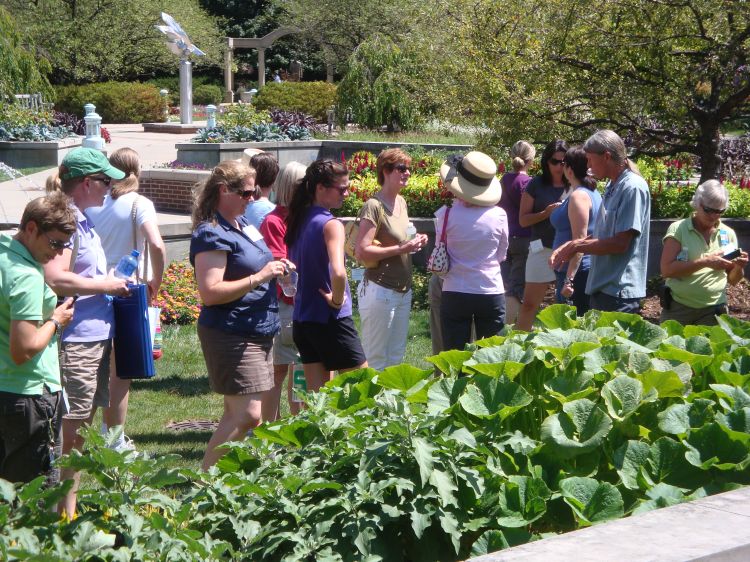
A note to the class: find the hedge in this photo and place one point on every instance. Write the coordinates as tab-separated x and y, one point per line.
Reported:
313	98
116	102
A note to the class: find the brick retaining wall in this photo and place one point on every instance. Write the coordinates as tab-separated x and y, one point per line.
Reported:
170	190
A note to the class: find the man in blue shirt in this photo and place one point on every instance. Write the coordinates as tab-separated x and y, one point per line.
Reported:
619	245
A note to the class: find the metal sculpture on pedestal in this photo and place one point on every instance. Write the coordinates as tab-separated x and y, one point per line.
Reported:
179	43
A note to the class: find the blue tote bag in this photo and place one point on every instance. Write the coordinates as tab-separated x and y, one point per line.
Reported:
134	357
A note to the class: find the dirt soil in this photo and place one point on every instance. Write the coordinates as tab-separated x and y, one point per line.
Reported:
738	298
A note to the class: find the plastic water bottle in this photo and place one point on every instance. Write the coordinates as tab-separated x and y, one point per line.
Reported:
298	380
411	231
127	265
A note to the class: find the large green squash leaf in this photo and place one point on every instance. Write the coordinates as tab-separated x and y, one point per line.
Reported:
401	377
629	459
490	396
592	501
665	384
508	360
581	427
449	362
445	393
679	418
566	388
622	396
522	500
661	495
716	446
560	316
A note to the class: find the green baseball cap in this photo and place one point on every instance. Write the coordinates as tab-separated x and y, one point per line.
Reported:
81	162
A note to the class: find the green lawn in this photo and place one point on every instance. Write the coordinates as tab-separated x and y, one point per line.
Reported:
25	171
180	392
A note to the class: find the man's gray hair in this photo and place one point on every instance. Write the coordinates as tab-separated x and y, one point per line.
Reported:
605	140
710	193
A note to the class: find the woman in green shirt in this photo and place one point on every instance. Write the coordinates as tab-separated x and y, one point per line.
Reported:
693	260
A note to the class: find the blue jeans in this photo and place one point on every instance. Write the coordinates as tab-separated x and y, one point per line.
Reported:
579	299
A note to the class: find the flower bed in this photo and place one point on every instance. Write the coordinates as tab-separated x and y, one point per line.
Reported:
668	179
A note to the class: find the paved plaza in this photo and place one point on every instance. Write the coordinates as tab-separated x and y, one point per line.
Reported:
153	148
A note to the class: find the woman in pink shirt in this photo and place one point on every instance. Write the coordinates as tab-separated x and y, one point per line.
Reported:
477	240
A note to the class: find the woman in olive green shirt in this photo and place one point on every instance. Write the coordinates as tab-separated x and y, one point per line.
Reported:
385	293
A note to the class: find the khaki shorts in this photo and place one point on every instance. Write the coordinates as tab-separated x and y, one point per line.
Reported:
84	367
236	365
284	350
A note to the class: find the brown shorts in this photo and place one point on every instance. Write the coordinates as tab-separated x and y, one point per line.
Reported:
84	367
236	365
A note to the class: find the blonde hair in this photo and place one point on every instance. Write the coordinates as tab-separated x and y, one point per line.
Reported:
53	182
522	154
287	181
231	173
127	160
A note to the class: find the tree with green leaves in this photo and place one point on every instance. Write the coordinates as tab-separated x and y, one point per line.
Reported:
665	74
21	72
376	86
93	41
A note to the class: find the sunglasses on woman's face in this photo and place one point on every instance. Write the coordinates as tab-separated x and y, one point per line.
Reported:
556	162
711	211
340	188
403	168
250	193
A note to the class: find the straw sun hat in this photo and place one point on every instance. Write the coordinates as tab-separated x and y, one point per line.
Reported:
472	178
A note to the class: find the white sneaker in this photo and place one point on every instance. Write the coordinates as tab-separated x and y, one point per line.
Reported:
123	444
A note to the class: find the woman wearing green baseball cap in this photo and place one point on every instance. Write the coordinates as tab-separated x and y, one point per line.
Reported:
84	176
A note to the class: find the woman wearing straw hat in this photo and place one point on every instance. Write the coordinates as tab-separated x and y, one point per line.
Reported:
477	240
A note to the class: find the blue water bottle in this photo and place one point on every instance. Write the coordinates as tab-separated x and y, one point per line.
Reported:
127	265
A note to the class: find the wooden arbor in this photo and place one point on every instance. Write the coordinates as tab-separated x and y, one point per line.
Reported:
261	44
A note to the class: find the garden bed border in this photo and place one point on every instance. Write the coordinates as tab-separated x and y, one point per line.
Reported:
210	154
27	154
709	529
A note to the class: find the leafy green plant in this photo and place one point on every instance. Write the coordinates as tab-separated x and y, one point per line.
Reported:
524	434
178	297
207	94
116	102
242	115
312	98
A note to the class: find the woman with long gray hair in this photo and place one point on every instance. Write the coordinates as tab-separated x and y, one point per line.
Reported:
700	256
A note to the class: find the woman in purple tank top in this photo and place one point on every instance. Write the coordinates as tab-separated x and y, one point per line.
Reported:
323	330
